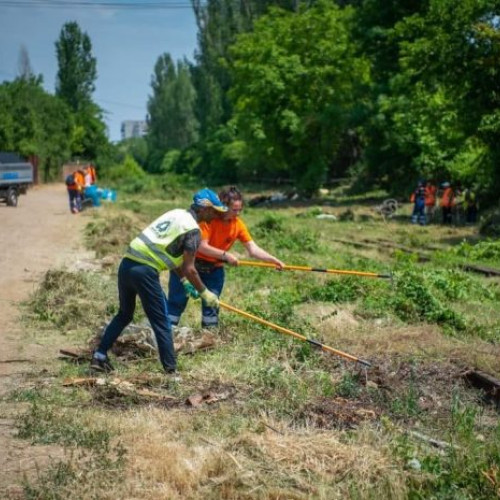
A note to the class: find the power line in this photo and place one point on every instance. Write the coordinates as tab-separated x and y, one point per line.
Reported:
147	5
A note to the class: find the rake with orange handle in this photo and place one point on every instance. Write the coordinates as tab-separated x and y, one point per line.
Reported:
314	269
296	335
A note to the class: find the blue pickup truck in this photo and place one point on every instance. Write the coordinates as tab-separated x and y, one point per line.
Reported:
16	176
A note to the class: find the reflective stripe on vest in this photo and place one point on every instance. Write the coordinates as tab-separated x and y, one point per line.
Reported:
150	247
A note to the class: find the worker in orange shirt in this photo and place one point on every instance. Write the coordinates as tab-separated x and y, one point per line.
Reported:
90	191
93	174
430	200
447	202
217	238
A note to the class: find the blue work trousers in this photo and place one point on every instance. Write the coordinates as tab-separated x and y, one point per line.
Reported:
418	215
139	279
177	299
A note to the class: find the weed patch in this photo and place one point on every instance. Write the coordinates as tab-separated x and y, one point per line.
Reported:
69	300
110	235
337	290
467	468
82	475
44	424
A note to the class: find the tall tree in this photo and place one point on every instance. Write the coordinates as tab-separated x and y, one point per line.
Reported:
75	85
219	22
297	86
172	122
438	114
77	71
25	71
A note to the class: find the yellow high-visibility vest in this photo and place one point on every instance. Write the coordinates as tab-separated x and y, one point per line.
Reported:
150	247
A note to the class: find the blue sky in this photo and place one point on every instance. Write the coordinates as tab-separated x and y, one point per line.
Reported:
126	44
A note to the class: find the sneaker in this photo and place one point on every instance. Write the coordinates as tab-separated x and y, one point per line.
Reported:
173	376
103	366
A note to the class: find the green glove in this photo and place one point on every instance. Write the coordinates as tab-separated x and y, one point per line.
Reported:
189	289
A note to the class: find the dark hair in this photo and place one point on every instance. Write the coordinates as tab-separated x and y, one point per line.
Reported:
230	194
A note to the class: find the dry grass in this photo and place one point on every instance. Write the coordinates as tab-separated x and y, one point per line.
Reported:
339	326
171	460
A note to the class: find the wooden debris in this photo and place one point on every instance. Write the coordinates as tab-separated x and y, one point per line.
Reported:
206	398
422	257
78	356
121	386
187	346
484	381
487	271
78	382
433	442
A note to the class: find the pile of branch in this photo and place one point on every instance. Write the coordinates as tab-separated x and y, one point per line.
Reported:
134	388
142	344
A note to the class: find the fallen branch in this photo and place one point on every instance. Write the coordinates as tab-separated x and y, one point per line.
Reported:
484	381
443	445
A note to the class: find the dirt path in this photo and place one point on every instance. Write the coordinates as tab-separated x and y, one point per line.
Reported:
38	235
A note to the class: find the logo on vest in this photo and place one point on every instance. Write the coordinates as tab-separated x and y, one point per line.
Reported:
161	228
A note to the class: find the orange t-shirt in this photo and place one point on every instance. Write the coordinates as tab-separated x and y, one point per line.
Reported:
222	234
79	180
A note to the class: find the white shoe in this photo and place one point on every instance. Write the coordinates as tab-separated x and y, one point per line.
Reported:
173	377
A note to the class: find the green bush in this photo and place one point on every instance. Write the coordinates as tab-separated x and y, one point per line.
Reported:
126	171
413	301
337	290
484	250
270	224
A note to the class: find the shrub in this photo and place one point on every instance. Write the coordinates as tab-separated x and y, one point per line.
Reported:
127	170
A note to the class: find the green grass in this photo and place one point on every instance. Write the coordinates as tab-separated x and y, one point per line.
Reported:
276	381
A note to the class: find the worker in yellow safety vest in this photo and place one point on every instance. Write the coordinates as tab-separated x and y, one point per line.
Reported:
169	243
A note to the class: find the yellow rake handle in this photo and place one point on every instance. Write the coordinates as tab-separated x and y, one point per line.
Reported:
313	269
298	336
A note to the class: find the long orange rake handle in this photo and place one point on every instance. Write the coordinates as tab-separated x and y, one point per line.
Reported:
313	269
286	331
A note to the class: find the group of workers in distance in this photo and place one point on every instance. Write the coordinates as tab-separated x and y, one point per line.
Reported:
193	245
80	185
453	203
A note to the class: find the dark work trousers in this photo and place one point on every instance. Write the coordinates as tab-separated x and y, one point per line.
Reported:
74	200
177	300
471	214
139	279
447	215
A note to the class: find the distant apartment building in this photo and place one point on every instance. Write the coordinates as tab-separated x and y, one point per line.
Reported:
133	128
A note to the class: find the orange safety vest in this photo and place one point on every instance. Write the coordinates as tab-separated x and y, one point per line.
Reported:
93	174
79	179
448	198
430	195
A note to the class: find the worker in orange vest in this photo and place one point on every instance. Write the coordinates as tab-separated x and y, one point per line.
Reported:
448	201
90	191
92	172
75	184
430	199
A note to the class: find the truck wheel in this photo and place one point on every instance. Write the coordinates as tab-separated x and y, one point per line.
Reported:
12	197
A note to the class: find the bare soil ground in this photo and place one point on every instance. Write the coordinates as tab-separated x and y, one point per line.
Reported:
39	234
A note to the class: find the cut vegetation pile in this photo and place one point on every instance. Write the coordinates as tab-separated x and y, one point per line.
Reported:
259	415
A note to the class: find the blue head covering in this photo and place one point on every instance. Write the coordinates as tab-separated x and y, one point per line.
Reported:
207	198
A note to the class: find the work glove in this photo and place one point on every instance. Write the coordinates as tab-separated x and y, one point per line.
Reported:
189	289
209	298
